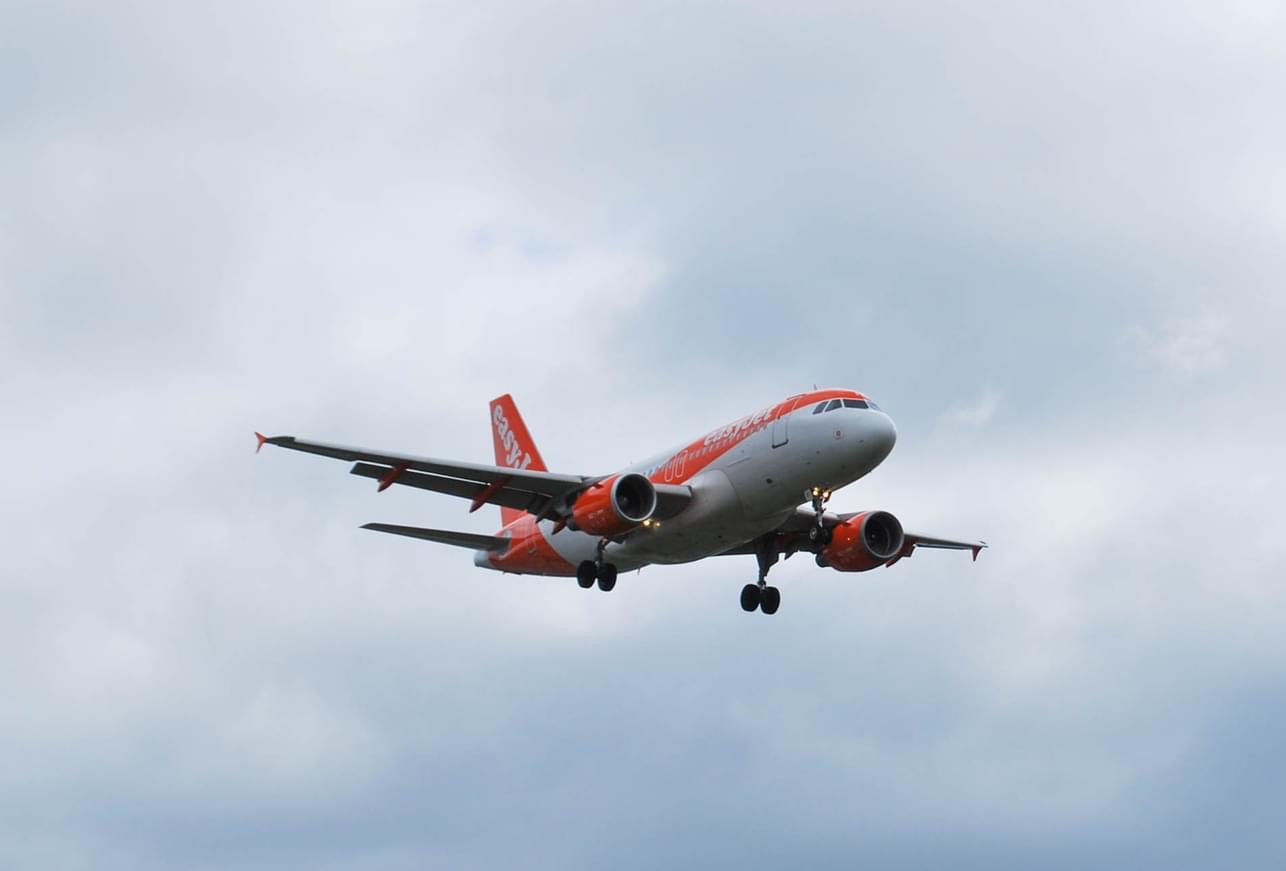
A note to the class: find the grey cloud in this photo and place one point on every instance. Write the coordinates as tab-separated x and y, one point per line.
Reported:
1044	238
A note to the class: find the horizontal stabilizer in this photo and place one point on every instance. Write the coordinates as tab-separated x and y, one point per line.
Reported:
444	536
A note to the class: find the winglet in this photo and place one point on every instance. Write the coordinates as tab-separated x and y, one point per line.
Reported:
263	440
977	549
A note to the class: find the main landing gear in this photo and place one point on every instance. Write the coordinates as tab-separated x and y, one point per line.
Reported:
589	571
597	570
763	598
760	596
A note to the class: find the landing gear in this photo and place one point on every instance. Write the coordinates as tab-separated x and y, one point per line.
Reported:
818	535
770	600
592	570
760	596
606	577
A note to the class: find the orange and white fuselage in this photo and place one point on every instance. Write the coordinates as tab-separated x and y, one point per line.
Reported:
746	479
735	490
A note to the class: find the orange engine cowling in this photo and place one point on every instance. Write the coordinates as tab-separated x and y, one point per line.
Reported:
614	506
863	542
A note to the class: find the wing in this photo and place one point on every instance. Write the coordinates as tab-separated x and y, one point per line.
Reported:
913	540
792	537
546	494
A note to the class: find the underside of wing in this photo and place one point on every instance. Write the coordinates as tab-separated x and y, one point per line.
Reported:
792	536
505	495
546	494
912	540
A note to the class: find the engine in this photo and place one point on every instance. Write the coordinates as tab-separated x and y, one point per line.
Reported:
614	506
863	542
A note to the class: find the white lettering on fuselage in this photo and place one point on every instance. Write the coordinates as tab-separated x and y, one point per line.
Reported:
716	442
515	457
732	430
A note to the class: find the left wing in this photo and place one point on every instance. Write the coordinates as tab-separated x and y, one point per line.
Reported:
545	494
912	540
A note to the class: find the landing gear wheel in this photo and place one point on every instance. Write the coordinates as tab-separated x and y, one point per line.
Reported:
770	600
819	536
606	577
750	597
585	574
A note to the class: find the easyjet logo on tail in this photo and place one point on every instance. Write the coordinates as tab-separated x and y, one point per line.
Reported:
513	455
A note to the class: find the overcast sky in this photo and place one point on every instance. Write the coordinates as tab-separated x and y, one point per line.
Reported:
1048	238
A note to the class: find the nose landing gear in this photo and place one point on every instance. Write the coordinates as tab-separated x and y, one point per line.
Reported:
818	535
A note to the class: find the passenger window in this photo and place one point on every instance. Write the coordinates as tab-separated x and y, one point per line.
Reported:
854	403
821	406
834	404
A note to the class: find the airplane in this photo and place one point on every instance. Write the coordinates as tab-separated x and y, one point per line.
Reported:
736	490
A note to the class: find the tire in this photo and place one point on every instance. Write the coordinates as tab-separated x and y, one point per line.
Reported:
819	537
585	574
607	577
771	600
750	597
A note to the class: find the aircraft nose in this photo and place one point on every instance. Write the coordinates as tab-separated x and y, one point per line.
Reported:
881	434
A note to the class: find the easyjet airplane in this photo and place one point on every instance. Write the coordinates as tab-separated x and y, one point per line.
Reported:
736	490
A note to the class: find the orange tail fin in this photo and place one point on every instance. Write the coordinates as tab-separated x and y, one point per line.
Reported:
514	445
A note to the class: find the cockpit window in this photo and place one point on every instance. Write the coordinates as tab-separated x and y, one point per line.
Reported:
834	404
854	403
821	406
873	405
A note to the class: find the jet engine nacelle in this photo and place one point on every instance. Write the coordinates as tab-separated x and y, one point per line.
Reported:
614	506
863	542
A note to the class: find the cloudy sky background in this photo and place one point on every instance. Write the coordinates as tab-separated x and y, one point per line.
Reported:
1048	240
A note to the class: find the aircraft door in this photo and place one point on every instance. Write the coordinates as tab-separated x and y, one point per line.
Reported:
780	428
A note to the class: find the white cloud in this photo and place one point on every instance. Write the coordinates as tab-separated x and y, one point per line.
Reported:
977	413
1190	346
641	223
